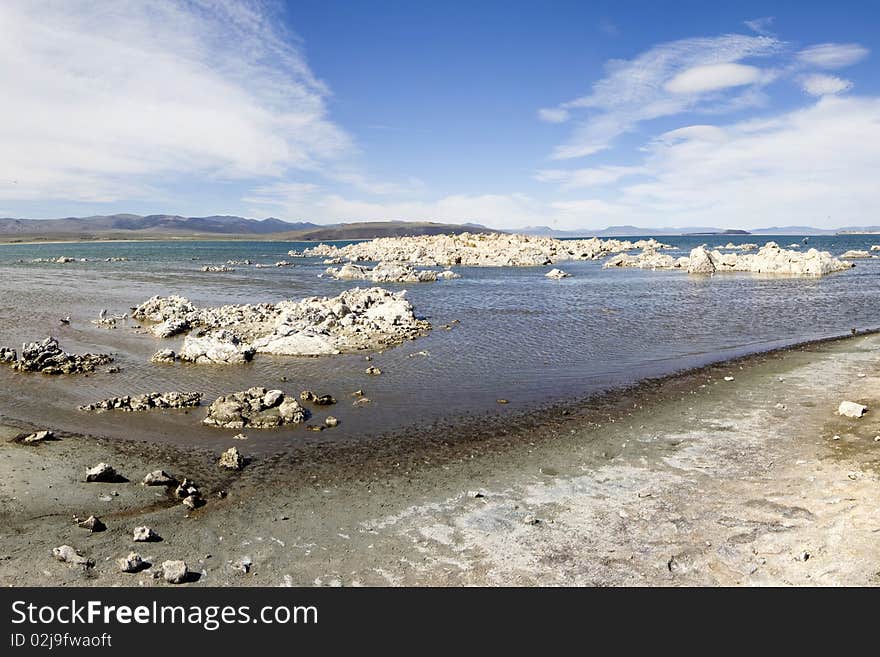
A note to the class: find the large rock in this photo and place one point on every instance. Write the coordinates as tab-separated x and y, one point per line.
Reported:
770	259
700	262
146	402
476	250
256	408
217	348
48	357
356	319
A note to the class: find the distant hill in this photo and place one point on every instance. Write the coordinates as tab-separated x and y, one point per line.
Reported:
166	226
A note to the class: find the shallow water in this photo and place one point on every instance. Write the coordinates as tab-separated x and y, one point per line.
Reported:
521	336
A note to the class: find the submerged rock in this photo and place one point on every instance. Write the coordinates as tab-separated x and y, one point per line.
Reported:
146	402
389	272
854	253
257	408
318	400
217	268
557	274
851	409
47	357
164	356
356	319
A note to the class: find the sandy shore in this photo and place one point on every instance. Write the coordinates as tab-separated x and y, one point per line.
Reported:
692	480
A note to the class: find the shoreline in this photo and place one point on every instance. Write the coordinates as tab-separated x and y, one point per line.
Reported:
364	508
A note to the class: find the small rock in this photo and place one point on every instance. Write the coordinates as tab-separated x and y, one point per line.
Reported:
132	563
101	472
158	478
192	501
835	437
330	421
373	371
531	520
502	401
144	534
67	554
476	494
851	409
239	436
728	378
93	524
232	459
38	437
243	565
174	572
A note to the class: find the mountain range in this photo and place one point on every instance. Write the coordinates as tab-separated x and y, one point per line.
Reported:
168	226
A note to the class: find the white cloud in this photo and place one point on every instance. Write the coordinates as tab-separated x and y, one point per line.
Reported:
105	101
833	55
712	77
800	167
553	115
761	25
636	90
590	177
823	85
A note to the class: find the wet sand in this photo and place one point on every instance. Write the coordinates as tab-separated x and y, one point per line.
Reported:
686	480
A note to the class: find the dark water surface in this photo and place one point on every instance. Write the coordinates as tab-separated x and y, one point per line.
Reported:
521	336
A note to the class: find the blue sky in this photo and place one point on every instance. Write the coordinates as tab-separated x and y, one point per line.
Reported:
568	114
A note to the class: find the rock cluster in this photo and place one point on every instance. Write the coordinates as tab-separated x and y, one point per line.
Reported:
146	402
48	357
477	250
256	408
389	272
770	259
356	319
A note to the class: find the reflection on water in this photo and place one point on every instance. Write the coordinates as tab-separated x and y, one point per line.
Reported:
521	336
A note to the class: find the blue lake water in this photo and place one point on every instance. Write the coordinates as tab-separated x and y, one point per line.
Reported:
521	336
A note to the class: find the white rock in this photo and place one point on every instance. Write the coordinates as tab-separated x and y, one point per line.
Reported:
174	572
144	534
68	554
851	409
131	564
557	274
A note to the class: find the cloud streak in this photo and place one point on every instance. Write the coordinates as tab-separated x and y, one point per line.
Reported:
106	101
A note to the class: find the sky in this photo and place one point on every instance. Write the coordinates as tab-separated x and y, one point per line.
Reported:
573	115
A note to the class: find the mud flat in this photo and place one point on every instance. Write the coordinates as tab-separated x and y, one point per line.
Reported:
740	473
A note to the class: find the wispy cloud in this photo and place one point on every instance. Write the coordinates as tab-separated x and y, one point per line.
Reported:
761	25
833	55
666	80
824	85
103	101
